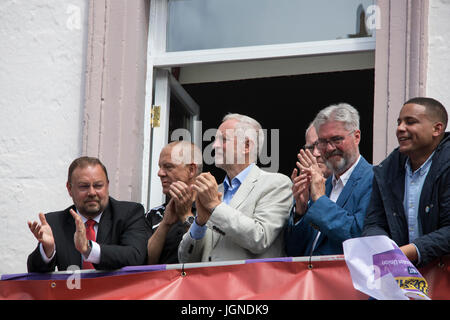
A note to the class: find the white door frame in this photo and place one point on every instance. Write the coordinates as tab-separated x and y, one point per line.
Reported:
158	58
165	86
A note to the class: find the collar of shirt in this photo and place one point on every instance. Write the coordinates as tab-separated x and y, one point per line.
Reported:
96	219
230	188
346	175
424	168
237	181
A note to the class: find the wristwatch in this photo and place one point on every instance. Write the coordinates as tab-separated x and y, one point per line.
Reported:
189	221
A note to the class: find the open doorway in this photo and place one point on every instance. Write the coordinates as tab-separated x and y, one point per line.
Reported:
289	104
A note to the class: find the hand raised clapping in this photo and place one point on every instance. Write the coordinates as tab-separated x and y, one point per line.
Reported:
308	164
43	233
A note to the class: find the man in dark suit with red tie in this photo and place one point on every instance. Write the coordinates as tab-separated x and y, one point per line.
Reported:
96	232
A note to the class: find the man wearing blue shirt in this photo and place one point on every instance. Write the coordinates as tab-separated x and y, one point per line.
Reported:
243	218
411	189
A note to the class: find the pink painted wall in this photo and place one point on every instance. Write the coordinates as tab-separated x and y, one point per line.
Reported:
115	91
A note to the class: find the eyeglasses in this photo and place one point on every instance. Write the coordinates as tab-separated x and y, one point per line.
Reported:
334	141
311	147
85	187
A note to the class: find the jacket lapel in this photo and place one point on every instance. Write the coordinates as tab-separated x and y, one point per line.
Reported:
343	197
348	189
346	192
241	194
398	185
104	227
328	185
246	187
351	184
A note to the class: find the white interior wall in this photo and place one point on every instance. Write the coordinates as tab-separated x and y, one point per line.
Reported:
438	73
42	61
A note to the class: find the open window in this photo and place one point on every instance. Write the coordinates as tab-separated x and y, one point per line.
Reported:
277	61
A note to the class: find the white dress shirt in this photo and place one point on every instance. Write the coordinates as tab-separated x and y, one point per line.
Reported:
94	255
338	186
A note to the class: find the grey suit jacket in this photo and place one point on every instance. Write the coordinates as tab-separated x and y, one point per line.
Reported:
250	227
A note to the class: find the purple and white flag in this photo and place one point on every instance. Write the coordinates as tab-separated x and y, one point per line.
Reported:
380	269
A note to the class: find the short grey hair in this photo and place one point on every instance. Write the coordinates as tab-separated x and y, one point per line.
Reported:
251	128
186	152
342	112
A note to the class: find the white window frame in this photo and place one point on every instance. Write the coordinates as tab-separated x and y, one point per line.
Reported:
165	86
158	59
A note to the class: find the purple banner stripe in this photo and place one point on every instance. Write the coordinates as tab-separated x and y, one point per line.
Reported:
281	259
83	275
155	267
119	272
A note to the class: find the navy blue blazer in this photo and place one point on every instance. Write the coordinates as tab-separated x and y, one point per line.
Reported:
337	222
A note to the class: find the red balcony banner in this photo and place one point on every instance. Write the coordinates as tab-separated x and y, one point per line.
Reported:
319	278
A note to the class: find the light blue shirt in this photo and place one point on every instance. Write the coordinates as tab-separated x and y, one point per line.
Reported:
229	189
413	188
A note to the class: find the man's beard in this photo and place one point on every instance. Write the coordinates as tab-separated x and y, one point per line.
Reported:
92	210
341	165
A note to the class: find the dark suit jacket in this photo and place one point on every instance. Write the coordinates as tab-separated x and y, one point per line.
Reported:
386	214
122	235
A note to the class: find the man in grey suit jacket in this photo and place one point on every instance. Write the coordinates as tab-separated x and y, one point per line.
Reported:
243	218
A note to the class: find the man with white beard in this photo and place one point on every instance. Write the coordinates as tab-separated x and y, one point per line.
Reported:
337	206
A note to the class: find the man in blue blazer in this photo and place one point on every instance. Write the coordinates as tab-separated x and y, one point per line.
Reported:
330	211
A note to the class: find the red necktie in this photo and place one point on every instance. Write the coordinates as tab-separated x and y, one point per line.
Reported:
90	235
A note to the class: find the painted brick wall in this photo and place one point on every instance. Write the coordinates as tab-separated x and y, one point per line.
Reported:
438	77
42	62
